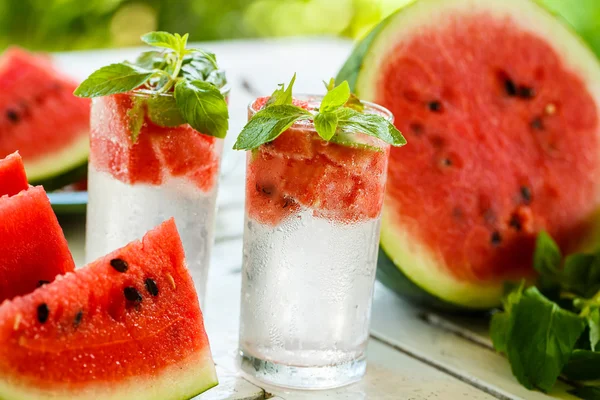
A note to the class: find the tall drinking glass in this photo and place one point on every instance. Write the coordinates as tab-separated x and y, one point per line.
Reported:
135	183
310	252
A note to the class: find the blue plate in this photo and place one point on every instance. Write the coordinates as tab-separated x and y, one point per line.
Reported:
65	203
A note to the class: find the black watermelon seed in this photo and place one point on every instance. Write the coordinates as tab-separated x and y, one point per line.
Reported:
42	283
510	87
131	294
78	318
526	92
446	162
416	128
435	106
288	201
496	239
119	264
515	222
12	116
43	313
151	287
526	194
537	124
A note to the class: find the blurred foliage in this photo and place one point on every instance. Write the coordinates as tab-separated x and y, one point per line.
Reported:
80	24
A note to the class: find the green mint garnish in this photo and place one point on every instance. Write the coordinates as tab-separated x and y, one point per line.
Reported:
176	85
553	329
339	118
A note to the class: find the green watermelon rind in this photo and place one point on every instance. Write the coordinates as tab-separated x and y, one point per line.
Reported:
173	384
418	276
58	169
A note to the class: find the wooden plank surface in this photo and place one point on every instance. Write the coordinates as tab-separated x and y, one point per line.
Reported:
412	354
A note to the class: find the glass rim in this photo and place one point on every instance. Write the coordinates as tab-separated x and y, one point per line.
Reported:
225	90
316	98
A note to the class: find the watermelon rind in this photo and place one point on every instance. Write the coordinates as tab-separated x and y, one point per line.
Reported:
405	265
58	169
179	381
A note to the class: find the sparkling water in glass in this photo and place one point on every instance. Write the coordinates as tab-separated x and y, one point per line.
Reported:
134	186
310	253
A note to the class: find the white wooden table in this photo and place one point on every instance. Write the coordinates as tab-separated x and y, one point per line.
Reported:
413	353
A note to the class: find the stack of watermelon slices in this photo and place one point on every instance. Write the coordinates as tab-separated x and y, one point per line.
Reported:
126	326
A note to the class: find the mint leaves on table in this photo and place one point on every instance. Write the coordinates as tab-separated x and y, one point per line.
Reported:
175	84
340	116
553	329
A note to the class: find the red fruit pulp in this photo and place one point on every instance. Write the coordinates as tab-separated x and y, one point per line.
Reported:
34	248
299	169
503	141
159	153
12	175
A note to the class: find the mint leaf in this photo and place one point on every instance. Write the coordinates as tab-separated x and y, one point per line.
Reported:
586	392
329	85
163	111
203	106
335	98
547	256
584	365
136	117
198	65
581	274
166	40
501	324
353	102
150	60
282	95
326	124
352	121
112	79
540	338
593	320
267	124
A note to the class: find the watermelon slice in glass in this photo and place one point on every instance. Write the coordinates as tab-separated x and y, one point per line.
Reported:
127	326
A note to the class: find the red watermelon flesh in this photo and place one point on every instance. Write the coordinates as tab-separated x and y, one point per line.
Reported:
34	249
298	169
504	141
127	326
12	175
159	153
39	115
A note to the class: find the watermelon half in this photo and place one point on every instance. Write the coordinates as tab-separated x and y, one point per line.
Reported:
499	102
42	119
127	326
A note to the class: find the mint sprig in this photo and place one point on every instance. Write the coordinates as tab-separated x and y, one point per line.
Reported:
338	119
553	329
176	85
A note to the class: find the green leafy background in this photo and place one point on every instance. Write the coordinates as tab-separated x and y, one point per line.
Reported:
76	24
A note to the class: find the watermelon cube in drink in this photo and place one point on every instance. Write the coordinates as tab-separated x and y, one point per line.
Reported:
156	141
310	252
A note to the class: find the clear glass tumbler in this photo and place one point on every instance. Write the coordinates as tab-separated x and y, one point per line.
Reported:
311	238
134	185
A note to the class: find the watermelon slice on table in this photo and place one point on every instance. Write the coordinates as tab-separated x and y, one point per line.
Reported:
127	326
34	249
42	119
12	175
500	103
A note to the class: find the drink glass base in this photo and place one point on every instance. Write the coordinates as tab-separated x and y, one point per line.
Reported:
300	377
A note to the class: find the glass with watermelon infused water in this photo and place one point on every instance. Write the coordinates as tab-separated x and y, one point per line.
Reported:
315	179
157	129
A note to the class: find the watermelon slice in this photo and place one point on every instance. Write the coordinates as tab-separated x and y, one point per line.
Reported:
42	119
159	152
34	249
500	104
127	326
12	175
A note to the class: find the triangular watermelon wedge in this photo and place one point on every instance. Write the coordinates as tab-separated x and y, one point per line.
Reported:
12	175
127	326
34	248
